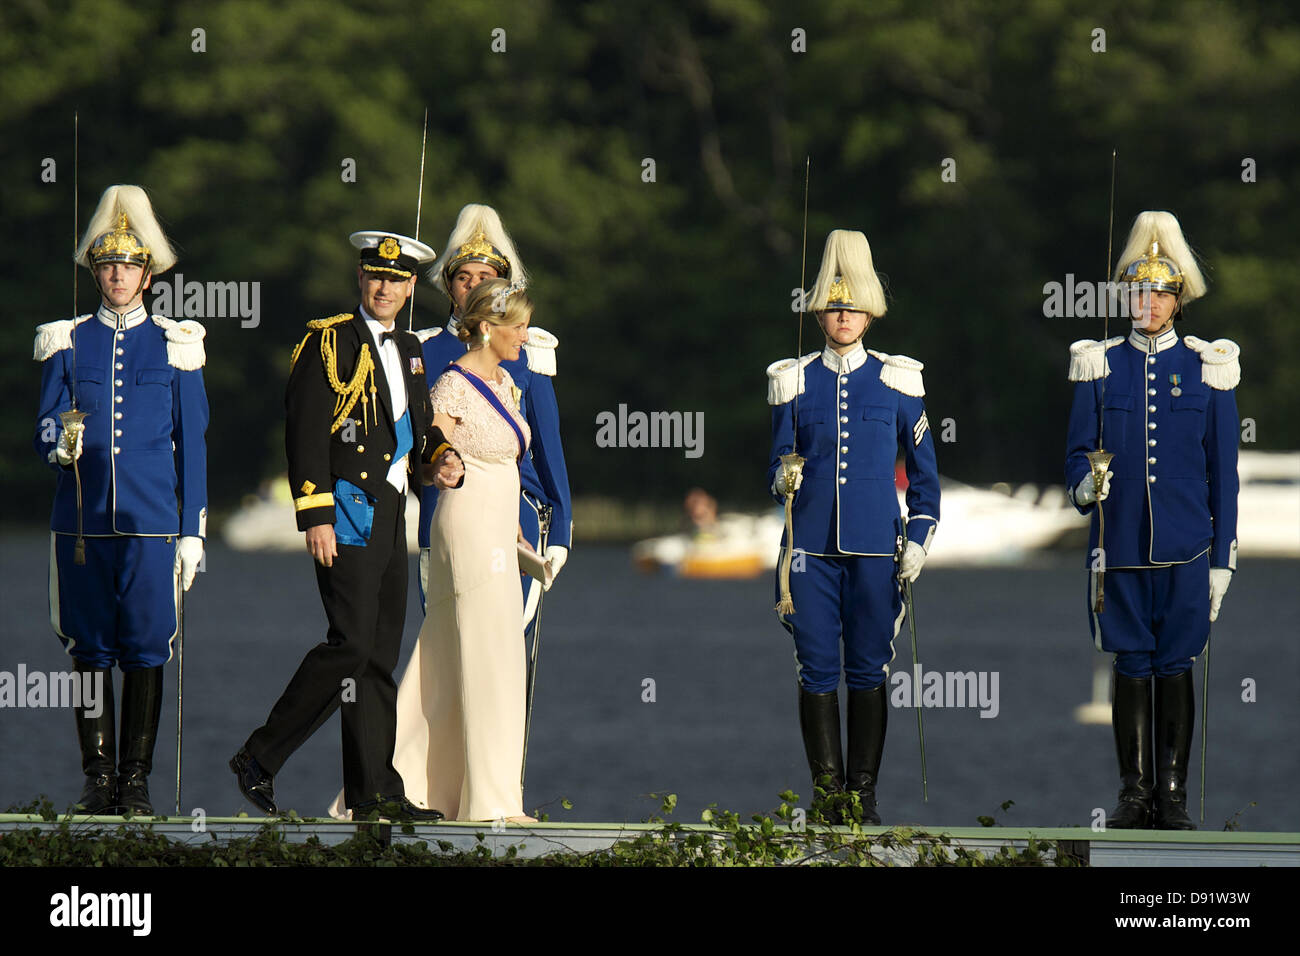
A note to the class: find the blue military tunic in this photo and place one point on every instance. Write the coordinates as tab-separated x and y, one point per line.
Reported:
1170	418
543	477
854	411
143	474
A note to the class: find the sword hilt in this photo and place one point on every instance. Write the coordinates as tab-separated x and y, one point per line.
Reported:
1099	463
74	426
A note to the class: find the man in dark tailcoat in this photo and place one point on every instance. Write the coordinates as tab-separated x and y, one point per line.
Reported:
358	429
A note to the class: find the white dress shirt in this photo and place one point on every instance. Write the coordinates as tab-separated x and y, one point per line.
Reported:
392	363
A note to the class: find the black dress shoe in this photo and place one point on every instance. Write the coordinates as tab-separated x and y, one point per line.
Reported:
254	782
99	795
395	808
133	794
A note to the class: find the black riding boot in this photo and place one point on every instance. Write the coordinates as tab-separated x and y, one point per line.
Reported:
868	716
141	708
1131	719
819	720
98	744
1175	714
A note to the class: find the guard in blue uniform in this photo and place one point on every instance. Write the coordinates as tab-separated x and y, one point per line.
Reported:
851	409
1170	503
477	249
358	430
130	499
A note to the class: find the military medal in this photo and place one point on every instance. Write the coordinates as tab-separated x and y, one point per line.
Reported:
1175	379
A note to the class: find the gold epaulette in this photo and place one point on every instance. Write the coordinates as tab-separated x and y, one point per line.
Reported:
316	325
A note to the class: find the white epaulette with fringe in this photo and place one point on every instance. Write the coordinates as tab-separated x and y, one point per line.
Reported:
901	373
54	337
541	351
184	342
1088	358
785	378
1220	364
425	334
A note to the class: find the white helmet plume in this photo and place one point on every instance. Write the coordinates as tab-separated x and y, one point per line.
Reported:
1162	227
478	236
133	203
847	279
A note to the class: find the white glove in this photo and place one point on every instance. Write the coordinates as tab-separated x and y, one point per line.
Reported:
1085	494
189	552
778	481
909	569
1220	578
60	455
555	556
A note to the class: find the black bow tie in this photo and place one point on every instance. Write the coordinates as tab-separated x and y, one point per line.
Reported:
385	336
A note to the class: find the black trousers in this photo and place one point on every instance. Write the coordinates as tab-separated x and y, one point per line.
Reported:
364	594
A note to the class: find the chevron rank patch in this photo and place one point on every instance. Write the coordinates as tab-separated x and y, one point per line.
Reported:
918	431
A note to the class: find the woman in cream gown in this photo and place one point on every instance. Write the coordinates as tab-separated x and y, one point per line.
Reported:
460	703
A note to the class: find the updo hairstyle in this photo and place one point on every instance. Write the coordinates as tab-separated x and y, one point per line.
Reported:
482	303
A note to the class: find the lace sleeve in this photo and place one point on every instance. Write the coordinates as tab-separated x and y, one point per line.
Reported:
449	395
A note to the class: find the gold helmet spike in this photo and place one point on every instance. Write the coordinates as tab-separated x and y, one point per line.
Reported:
1155	272
119	245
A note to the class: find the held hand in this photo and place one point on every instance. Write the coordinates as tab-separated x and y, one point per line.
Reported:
1220	578
909	569
787	476
68	448
189	553
321	544
555	556
1085	492
450	471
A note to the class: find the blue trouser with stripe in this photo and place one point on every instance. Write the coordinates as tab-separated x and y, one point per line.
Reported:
1156	619
120	606
855	600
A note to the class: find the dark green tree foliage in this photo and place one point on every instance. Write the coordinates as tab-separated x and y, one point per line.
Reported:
673	294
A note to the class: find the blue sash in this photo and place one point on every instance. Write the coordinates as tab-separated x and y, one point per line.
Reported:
487	393
405	438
